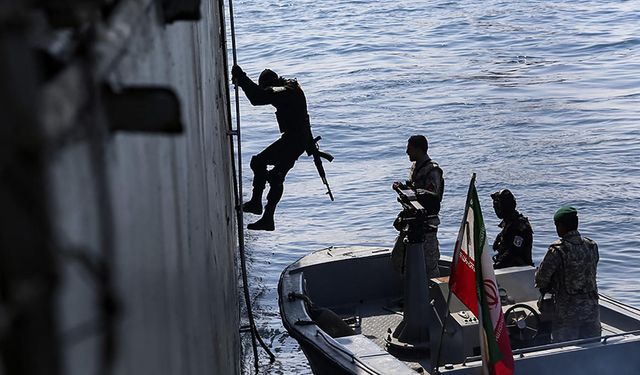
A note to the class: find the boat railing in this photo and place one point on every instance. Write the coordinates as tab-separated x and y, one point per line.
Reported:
523	351
620	305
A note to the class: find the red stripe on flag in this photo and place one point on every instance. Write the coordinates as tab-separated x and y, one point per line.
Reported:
464	281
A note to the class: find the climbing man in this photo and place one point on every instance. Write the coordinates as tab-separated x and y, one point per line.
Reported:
568	271
287	97
513	244
426	179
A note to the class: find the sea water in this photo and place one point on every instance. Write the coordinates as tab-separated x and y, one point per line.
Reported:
540	97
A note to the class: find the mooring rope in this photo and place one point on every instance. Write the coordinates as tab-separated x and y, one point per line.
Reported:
237	184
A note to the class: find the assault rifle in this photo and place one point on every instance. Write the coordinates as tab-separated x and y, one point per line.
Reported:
314	150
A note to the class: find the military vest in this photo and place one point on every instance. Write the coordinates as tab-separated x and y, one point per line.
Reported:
425	170
579	262
430	201
293	117
519	229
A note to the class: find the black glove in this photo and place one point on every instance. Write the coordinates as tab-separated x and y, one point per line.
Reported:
497	242
237	73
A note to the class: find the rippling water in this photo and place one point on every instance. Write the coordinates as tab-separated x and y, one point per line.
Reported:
541	97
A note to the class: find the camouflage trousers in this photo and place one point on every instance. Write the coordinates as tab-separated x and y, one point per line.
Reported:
575	318
566	331
431	254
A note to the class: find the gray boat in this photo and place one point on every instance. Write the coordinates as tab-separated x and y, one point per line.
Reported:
342	305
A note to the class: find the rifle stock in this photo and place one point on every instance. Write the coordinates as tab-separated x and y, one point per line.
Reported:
326	156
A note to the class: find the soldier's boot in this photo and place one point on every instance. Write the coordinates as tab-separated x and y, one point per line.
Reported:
254	205
266	222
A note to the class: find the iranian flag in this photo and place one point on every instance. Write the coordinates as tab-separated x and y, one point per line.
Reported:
474	283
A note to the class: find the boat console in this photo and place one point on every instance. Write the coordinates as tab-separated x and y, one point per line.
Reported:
526	325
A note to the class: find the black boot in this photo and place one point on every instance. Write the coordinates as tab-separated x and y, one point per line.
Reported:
265	223
252	206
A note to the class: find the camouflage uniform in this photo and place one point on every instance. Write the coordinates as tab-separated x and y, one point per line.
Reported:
569	271
426	175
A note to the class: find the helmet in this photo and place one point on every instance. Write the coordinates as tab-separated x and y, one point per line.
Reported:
267	78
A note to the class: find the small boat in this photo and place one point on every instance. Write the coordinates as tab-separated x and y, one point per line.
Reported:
342	304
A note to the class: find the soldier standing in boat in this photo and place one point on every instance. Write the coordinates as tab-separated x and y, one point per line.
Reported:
287	97
513	244
425	177
568	270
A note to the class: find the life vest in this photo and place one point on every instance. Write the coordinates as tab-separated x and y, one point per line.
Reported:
579	262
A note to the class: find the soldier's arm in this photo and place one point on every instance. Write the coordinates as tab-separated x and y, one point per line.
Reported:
261	96
497	241
504	259
432	181
597	252
550	264
510	255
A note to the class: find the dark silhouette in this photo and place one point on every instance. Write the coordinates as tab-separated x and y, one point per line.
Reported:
287	97
426	179
513	244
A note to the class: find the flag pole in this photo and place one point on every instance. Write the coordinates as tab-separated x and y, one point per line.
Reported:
456	251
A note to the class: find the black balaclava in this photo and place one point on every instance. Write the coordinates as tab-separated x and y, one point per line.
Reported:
504	203
267	78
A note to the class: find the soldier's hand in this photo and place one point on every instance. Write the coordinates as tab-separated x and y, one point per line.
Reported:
398	184
236	73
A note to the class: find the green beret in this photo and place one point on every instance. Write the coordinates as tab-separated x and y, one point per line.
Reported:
565	212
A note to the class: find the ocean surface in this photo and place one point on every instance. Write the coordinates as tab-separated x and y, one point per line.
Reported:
541	97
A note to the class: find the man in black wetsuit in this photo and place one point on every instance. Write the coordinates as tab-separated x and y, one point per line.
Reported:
513	244
287	97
